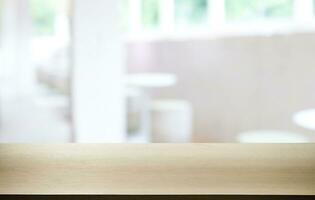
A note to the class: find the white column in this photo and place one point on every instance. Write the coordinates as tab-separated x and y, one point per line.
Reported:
18	74
167	13
135	16
303	11
216	14
98	72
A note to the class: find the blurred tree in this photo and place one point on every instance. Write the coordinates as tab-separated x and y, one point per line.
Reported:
190	12
43	13
258	9
150	13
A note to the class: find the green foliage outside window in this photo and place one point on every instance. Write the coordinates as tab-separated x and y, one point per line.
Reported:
191	12
237	10
43	13
150	13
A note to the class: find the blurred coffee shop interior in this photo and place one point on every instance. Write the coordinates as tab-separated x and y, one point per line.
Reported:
160	71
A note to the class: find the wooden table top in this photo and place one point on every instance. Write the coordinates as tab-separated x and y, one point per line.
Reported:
158	169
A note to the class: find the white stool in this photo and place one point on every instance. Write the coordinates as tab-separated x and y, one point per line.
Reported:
305	119
171	121
271	136
134	111
138	116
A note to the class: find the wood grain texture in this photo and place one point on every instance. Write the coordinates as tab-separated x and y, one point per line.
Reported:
158	169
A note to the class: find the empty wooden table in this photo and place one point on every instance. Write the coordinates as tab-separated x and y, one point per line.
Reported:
250	169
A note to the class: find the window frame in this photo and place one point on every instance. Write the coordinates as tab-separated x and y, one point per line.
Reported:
303	20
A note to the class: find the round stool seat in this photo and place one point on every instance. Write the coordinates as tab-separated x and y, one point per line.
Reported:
305	119
171	121
271	136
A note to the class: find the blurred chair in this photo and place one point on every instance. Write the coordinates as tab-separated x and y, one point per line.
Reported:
271	136
171	121
139	102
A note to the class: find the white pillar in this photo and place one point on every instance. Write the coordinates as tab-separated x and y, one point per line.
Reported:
18	74
167	13
135	16
98	72
216	14
303	11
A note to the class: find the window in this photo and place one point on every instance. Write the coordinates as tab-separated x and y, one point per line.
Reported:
171	16
50	42
44	14
150	14
238	10
190	12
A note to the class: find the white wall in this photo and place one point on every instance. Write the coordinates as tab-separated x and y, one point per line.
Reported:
98	70
235	84
16	71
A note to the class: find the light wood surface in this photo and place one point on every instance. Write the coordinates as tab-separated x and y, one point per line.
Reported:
157	169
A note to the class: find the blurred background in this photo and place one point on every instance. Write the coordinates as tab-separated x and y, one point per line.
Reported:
142	71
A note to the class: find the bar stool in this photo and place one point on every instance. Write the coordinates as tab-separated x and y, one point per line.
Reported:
271	136
171	121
